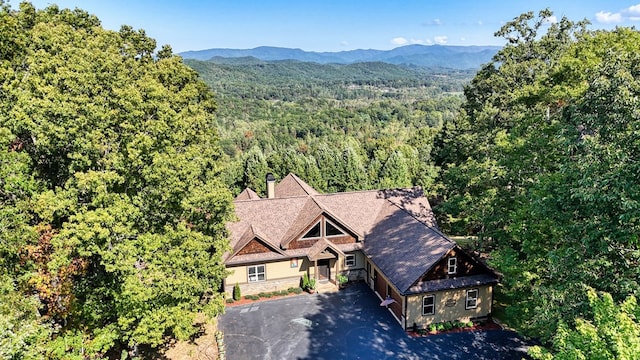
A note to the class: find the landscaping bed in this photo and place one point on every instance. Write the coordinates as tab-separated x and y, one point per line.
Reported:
454	327
247	299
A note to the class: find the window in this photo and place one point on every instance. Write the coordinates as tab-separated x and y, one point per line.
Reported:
332	230
314	233
472	299
256	273
452	267
349	260
428	305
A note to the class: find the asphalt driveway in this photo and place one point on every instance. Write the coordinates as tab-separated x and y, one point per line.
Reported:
348	324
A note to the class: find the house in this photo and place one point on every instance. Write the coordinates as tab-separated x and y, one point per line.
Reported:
387	238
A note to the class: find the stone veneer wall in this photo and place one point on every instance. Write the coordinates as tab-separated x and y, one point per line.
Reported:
264	286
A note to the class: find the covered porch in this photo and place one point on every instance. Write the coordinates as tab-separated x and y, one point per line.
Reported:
327	261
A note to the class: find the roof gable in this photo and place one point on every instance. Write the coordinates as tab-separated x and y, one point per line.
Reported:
247	194
292	185
251	235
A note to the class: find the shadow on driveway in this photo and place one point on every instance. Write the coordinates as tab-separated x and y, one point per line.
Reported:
348	324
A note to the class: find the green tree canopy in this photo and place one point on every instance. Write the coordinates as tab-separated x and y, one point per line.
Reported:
543	166
112	211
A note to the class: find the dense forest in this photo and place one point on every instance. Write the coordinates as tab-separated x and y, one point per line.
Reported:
339	127
112	212
119	163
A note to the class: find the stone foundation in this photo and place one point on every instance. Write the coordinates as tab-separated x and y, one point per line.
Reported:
264	286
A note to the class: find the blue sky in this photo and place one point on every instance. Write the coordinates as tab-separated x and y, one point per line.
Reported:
335	25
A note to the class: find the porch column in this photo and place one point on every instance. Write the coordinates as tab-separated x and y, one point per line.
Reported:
315	269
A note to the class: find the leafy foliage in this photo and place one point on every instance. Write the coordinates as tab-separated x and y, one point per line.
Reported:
112	208
541	166
611	332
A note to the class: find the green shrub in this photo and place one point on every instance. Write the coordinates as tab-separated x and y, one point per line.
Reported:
440	327
297	290
448	325
307	283
236	292
229	301
255	297
284	292
432	327
342	279
292	290
265	295
469	324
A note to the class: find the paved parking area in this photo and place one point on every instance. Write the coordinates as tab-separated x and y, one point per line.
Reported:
348	324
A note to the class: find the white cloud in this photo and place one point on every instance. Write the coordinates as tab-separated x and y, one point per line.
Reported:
344	43
480	22
608	17
399	41
440	39
633	10
416	41
632	13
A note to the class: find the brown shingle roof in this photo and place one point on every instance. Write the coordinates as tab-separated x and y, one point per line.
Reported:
397	226
247	194
292	185
402	247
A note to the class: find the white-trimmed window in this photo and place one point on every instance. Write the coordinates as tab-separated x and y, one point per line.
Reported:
313	233
331	229
428	305
472	299
256	273
452	266
349	260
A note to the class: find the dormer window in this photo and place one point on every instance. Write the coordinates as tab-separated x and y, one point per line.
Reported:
452	266
314	233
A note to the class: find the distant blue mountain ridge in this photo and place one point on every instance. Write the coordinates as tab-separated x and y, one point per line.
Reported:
442	56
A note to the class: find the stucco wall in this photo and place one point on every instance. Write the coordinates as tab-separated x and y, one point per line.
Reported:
355	272
450	305
280	275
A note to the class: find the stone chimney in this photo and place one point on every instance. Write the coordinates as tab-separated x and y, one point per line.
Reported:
271	186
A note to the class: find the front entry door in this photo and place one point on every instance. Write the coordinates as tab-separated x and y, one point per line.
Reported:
324	271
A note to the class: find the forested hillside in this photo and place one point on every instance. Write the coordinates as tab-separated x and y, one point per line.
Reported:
339	127
118	165
431	56
538	160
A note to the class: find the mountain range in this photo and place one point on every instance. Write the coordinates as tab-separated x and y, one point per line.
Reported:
440	56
